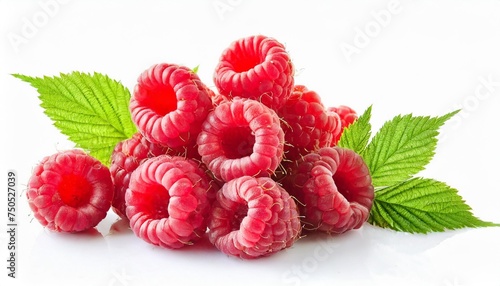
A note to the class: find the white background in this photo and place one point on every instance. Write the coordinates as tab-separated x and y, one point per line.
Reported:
420	57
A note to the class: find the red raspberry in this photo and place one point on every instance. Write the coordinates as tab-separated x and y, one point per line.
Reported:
241	137
253	217
335	189
218	98
347	116
306	123
126	157
70	191
169	104
256	67
168	200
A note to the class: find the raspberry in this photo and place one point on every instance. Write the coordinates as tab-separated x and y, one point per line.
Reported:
218	98
335	189
70	191
126	157
168	200
347	116
306	123
256	67
241	137
253	217
169	103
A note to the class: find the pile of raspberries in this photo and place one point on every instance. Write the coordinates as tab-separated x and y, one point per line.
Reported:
251	167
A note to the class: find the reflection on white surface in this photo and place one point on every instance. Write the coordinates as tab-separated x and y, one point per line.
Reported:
66	258
113	255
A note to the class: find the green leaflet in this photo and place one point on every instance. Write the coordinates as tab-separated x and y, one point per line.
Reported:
357	135
92	110
422	205
402	147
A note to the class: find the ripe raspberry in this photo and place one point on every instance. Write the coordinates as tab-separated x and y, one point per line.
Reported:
256	67
169	103
335	189
218	98
126	157
168	200
70	191
306	123
241	137
347	116
253	217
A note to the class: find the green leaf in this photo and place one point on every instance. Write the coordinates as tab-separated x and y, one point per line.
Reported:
357	135
196	68
421	206
402	147
92	110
